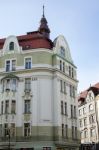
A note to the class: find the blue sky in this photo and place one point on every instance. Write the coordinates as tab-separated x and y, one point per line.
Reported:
77	20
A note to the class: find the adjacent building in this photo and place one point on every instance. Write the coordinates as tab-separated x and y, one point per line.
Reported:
89	115
38	92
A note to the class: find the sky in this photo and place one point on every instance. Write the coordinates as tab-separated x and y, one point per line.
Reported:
77	20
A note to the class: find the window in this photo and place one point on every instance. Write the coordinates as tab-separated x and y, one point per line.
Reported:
26	129
64	87
71	111
84	110
85	133
62	51
66	131
70	90
80	122
81	134
72	73
72	132
61	85
2	107
13	107
11	46
27	63
8	84
12	130
69	71
63	67
75	132
65	108
27	106
8	65
91	119
60	65
62	130
75	111
6	129
14	84
62	111
92	132
28	84
85	121
13	65
80	112
6	106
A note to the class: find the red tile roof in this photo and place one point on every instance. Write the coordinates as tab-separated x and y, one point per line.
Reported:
32	40
83	94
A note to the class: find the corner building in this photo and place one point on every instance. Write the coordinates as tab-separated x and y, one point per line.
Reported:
38	88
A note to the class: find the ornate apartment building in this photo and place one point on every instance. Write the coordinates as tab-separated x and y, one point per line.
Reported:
89	115
38	92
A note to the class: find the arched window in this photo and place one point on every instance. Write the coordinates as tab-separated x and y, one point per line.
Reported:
11	46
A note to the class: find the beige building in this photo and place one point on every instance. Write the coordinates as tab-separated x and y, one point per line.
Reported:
89	115
38	92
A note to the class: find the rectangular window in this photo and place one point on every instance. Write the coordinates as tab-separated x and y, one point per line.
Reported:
60	65
64	87
80	122
14	84
27	63
75	111
6	130
8	65
72	132
26	129
6	106
71	111
27	106
13	65
92	132
8	84
65	108
70	90
63	67
66	130
75	132
12	130
2	107
61	86
13	107
28	84
85	121
62	111
62	130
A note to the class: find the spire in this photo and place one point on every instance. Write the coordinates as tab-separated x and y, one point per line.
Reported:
43	12
44	29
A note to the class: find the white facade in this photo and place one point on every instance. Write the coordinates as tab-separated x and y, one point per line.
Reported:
89	115
38	103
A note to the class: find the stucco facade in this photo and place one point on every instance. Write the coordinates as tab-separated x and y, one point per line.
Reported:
38	93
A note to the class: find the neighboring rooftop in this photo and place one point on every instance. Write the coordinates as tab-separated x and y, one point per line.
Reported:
83	94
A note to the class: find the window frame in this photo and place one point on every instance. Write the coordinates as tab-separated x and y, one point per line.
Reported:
29	65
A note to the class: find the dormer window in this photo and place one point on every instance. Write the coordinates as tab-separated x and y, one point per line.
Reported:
62	51
11	46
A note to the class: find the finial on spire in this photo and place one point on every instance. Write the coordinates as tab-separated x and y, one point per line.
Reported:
43	11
